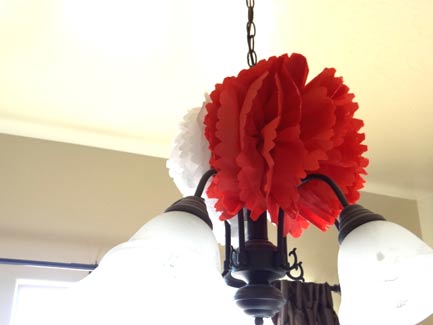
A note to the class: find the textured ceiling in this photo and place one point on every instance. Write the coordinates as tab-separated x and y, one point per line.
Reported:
121	74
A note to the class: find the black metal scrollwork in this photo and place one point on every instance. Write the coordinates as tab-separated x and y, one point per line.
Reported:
295	266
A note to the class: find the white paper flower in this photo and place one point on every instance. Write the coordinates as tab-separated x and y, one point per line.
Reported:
189	158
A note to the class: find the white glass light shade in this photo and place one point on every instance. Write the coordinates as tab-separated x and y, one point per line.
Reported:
167	273
386	276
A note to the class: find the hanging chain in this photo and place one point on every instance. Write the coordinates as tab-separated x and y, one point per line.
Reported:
251	33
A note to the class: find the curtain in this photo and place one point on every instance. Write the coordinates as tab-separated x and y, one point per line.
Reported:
306	304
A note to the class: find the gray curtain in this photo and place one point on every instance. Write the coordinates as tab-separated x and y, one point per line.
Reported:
306	304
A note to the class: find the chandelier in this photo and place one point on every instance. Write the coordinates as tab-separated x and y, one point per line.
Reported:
266	145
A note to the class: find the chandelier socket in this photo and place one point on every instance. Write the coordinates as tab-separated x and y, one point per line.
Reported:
194	205
353	216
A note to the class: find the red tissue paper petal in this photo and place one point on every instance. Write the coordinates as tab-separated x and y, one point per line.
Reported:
268	129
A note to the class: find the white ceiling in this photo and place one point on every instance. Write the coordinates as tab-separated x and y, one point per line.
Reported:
121	74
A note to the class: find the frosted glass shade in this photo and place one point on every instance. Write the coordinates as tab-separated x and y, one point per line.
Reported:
386	276
167	273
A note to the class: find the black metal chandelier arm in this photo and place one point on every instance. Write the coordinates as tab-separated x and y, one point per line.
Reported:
337	191
241	232
335	188
281	241
233	282
227	247
227	275
201	185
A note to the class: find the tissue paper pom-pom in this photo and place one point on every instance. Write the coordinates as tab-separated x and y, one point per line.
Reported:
189	158
267	129
189	161
344	163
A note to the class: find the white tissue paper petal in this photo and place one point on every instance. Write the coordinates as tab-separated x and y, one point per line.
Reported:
190	155
189	160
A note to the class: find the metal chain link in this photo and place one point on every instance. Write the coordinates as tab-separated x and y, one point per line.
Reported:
251	33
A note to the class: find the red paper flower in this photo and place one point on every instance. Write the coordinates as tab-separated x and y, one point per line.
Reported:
267	129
